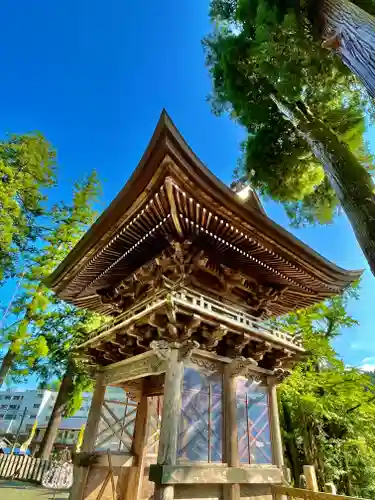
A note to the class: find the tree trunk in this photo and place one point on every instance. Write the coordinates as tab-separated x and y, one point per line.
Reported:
6	365
350	180
350	32
290	443
50	435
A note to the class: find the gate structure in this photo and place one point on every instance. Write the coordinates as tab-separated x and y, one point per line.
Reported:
189	275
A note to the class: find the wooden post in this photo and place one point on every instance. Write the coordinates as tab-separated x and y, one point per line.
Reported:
231	491
89	438
170	418
287	475
311	481
135	482
277	445
330	488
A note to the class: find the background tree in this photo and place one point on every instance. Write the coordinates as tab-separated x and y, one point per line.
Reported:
345	27
67	223
264	69
63	331
27	168
327	409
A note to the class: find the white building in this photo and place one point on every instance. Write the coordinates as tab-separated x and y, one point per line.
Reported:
20	409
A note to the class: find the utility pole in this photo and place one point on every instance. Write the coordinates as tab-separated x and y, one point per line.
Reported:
19	430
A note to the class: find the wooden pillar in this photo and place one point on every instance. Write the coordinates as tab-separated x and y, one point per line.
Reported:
311	481
89	438
231	491
135	482
277	444
170	418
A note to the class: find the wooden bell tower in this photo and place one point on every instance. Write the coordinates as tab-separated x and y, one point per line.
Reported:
188	275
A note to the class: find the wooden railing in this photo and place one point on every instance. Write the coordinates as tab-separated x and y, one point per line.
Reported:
23	468
202	304
279	492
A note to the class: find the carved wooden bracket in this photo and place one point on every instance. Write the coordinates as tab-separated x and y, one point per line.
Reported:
280	374
212	338
241	366
163	348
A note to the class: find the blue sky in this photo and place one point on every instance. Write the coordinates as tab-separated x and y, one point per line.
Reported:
94	76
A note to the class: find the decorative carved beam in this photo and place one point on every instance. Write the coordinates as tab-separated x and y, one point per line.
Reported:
133	368
241	366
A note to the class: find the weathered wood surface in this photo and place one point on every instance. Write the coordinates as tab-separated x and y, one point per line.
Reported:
230	418
310	476
136	473
309	494
94	415
81	474
190	474
136	367
277	445
231	491
171	409
167	451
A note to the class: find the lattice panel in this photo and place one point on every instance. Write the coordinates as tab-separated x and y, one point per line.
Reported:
155	406
117	419
201	421
254	439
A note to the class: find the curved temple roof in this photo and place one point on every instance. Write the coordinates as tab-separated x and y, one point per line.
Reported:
172	195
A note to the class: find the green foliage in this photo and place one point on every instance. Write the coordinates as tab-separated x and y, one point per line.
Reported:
27	168
328	409
63	330
260	48
43	324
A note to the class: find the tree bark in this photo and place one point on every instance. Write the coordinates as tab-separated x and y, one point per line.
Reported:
290	444
350	32
50	435
350	180
6	365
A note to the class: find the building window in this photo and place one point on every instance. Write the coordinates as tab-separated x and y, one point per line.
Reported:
14	407
32	416
8	397
4	407
201	421
17	398
9	416
36	405
254	437
1	415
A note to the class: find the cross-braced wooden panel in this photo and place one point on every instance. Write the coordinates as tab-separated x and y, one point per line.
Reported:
116	427
254	440
200	429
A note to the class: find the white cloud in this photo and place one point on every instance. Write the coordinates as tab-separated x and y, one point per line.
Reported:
368	360
367	367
